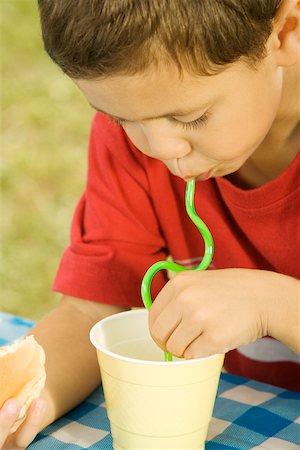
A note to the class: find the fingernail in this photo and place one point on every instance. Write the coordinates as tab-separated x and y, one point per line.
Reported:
11	408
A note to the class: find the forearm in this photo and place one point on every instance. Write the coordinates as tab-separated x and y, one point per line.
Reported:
71	364
283	311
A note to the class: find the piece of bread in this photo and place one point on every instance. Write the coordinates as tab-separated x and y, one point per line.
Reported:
22	373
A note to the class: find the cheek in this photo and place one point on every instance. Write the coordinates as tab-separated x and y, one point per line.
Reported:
240	128
248	112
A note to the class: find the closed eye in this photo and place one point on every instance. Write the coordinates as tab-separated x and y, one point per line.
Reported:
192	125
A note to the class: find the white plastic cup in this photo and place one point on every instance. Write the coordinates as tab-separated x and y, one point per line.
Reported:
152	404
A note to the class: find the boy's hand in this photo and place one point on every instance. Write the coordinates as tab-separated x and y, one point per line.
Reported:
199	314
27	430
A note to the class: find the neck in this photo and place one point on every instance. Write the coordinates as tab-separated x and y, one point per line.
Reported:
282	142
285	127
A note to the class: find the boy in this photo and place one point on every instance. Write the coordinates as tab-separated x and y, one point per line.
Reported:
200	89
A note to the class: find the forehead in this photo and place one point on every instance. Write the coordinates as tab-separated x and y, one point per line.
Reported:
153	92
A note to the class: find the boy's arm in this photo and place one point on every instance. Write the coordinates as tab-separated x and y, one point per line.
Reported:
71	362
283	312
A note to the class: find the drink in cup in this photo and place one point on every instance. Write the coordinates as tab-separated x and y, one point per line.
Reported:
152	404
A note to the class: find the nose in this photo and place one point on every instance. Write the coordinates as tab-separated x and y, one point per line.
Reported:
163	146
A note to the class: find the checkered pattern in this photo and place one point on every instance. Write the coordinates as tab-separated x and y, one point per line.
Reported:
247	414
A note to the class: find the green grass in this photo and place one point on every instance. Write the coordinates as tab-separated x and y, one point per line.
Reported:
44	132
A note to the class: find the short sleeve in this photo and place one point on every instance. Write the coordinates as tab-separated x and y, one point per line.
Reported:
115	235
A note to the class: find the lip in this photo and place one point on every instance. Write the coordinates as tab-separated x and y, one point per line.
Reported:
204	176
187	176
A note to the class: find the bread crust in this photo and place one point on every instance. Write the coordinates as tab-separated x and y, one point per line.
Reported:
22	373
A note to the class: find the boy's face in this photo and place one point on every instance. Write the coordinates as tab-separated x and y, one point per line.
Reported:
197	126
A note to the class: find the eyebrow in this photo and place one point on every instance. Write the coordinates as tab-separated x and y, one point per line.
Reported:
178	113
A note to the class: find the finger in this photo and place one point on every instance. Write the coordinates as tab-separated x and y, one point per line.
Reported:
161	301
183	336
165	324
203	346
32	424
8	415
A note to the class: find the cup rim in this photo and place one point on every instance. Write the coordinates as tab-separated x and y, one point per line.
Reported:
140	311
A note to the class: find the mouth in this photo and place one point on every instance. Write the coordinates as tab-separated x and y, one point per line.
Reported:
202	177
187	176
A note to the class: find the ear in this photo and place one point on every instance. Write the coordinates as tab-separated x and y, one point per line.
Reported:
286	33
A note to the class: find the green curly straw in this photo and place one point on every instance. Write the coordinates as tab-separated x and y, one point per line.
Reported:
169	265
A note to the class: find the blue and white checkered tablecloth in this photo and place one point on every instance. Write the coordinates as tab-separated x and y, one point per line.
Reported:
247	414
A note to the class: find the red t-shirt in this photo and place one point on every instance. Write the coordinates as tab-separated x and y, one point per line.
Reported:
132	214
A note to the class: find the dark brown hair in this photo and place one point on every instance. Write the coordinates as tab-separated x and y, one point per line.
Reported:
94	38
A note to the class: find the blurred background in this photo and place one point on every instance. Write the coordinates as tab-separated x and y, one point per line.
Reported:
44	131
